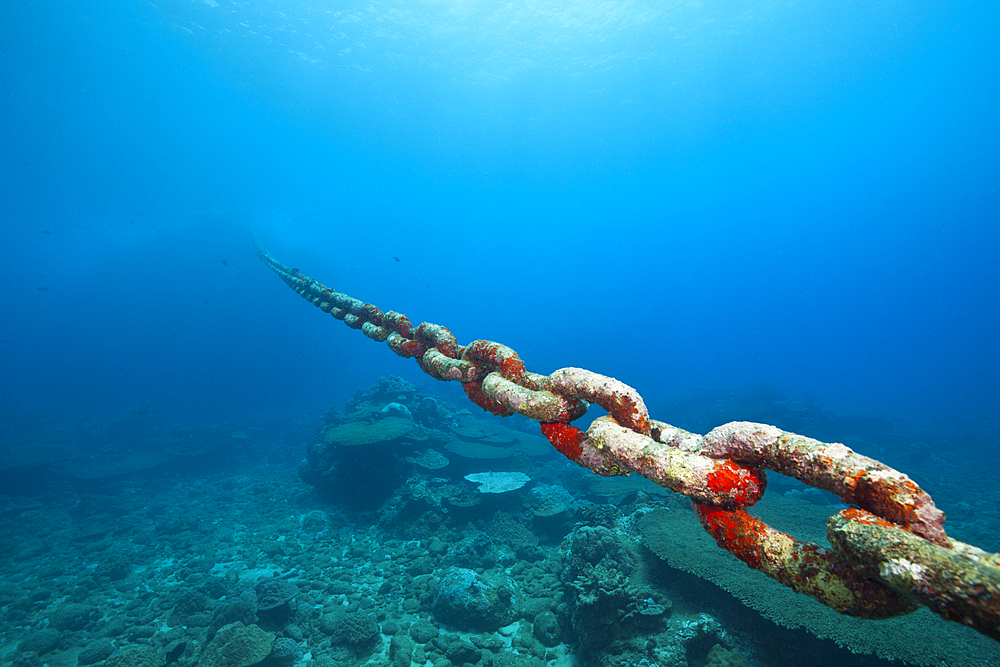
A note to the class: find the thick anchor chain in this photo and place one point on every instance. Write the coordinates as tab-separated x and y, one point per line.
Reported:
890	553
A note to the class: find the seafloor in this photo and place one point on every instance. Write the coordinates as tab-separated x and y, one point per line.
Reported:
220	547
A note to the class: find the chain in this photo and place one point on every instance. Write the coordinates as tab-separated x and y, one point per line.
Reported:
889	555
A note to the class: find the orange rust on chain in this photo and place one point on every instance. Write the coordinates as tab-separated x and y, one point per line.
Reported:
398	323
512	368
735	531
867	518
893	498
626	412
719	483
834	467
568	440
622	402
435	335
743	481
404	347
961	584
803	567
624	405
373	313
497	356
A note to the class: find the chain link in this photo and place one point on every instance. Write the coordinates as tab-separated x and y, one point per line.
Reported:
887	557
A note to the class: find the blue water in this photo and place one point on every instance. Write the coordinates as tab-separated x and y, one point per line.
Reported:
771	211
684	196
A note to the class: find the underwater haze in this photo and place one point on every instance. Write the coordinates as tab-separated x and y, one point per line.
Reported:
778	212
682	195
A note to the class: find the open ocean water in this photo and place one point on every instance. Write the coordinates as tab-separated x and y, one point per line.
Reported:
776	212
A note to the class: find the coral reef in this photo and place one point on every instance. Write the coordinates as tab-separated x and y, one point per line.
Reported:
222	567
606	603
237	645
471	601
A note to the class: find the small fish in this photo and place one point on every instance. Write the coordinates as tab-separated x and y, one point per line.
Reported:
45	231
225	263
395	258
43	289
176	653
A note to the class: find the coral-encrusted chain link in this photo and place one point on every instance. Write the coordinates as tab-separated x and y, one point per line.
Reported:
887	557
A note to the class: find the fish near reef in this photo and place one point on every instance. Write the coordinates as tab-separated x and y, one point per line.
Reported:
175	654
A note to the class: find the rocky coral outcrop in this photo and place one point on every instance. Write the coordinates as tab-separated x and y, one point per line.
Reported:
356	631
237	645
273	593
604	603
471	601
135	655
362	455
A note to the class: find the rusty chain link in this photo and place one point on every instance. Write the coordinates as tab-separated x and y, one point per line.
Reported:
889	554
